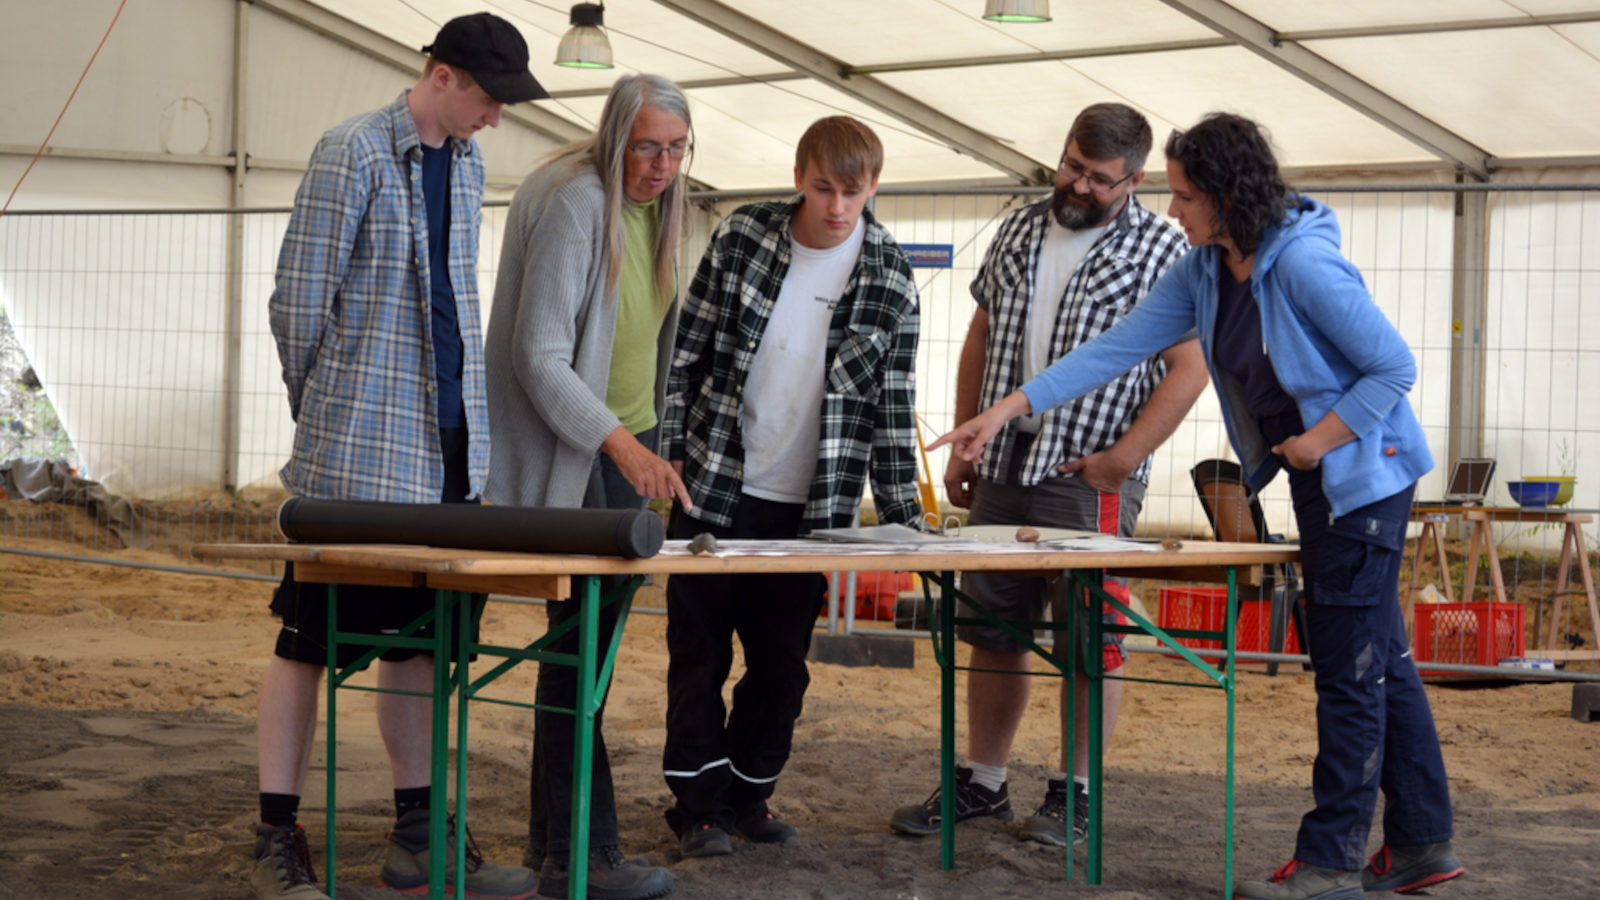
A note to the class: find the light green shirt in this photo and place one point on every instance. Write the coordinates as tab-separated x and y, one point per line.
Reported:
631	390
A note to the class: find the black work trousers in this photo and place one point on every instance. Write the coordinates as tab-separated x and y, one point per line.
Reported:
722	765
550	791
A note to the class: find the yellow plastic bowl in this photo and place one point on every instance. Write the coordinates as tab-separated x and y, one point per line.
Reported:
1563	493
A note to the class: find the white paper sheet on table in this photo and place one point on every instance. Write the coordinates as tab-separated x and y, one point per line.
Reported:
803	547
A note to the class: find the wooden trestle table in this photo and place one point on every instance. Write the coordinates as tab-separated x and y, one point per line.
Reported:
1574	550
458	575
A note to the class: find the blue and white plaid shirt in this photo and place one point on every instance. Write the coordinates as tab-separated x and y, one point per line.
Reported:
1120	269
350	312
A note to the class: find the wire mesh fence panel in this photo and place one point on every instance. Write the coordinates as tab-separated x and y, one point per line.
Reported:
122	318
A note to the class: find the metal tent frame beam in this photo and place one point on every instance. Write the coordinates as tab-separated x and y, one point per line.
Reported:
1355	93
932	122
407	59
1008	59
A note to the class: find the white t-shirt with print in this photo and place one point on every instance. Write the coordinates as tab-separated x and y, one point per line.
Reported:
782	409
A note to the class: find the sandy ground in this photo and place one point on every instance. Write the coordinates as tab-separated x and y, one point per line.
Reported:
127	765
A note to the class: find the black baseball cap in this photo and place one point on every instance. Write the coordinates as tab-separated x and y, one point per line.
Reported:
492	51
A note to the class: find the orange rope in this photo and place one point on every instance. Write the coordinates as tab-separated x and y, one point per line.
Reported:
64	106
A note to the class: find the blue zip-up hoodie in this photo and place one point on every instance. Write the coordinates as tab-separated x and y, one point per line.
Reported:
1330	345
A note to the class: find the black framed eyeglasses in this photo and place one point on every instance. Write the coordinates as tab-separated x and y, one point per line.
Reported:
1097	182
651	150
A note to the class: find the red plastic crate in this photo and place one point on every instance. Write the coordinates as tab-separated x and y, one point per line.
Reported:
876	594
1206	608
1478	634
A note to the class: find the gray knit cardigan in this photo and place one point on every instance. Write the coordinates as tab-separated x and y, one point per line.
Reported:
547	350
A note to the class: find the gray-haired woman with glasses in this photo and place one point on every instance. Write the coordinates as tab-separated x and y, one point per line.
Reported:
577	350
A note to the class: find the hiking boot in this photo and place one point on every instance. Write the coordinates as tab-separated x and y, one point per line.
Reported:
612	876
1049	824
972	800
283	865
1302	881
1406	869
704	839
760	826
406	870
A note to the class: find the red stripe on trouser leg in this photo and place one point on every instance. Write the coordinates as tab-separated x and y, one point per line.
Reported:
1110	522
1110	513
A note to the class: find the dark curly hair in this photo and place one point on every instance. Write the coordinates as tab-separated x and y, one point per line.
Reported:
1229	158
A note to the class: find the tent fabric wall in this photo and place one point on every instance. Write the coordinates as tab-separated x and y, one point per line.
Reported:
109	307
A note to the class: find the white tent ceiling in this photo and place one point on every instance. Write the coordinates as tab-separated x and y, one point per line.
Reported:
1356	85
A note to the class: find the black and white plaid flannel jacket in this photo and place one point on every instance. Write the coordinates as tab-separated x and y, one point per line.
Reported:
1119	270
868	415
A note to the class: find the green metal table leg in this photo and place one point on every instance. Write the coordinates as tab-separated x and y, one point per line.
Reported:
1227	837
464	612
587	591
330	863
1093	667
1072	636
947	722
439	756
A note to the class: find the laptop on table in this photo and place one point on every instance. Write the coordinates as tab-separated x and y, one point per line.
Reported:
1469	483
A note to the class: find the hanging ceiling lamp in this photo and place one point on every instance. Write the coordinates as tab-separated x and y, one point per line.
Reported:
1017	10
585	46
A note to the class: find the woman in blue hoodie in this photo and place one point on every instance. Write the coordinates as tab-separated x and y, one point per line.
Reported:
1313	380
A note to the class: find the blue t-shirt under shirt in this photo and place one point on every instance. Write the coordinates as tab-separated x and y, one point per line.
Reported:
1239	349
447	350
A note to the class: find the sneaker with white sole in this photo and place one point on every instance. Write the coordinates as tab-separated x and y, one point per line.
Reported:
972	801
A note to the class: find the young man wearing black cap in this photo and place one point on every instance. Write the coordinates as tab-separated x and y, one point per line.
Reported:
375	312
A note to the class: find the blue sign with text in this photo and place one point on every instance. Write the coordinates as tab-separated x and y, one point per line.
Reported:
929	256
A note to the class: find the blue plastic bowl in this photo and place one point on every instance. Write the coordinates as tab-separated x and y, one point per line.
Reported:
1533	493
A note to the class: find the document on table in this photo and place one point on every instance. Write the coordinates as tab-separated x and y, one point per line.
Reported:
886	534
807	547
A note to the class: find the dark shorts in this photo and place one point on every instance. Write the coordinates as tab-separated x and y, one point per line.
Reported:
364	609
1053	503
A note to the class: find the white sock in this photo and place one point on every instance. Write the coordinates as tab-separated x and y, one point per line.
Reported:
1082	780
990	777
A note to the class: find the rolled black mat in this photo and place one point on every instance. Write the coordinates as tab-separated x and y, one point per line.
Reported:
630	534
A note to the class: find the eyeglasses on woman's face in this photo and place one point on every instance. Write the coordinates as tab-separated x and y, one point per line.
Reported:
651	149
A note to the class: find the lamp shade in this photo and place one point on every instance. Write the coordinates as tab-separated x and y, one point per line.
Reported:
585	46
1017	10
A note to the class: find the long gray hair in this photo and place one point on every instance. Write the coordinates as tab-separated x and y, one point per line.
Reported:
604	151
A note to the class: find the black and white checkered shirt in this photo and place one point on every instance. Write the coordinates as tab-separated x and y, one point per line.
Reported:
1115	275
868	406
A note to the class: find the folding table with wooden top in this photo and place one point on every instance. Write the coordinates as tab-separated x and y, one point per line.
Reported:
457	575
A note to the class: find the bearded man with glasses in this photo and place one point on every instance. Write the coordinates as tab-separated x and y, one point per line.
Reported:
1060	271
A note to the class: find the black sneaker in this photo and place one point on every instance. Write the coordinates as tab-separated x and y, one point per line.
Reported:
406	869
612	876
283	865
1049	824
1406	869
702	840
972	800
760	826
